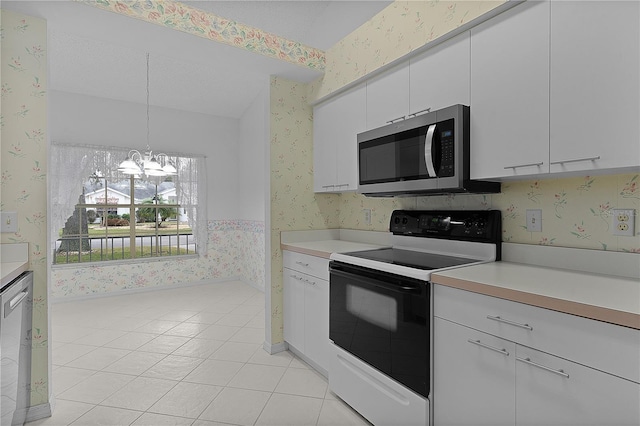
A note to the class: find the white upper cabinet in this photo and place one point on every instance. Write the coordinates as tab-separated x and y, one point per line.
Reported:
336	124
510	93
595	88
440	77
388	97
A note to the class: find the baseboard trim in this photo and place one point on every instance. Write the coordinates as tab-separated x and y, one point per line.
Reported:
121	292
41	411
274	349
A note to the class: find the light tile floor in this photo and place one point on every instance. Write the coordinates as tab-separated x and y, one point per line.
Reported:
189	356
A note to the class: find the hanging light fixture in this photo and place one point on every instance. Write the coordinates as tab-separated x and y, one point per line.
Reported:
147	164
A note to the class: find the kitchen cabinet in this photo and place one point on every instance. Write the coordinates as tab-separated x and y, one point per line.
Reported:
529	366
388	96
510	93
595	89
440	77
552	390
474	377
336	124
306	307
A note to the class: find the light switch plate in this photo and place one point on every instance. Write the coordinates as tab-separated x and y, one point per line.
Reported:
534	220
8	221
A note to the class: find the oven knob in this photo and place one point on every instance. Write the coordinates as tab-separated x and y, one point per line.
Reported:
480	223
468	223
405	220
396	220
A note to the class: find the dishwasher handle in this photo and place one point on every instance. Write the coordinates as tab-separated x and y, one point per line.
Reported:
18	299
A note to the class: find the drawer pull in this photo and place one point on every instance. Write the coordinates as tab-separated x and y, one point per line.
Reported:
306	280
543	367
493	348
506	321
306	265
396	119
524	165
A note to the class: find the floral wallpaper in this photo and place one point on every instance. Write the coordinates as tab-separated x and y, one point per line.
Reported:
576	212
294	205
235	251
182	17
23	186
400	28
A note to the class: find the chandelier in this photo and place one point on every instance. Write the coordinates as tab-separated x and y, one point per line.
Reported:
147	163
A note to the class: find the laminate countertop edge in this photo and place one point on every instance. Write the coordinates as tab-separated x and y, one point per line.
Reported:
599	313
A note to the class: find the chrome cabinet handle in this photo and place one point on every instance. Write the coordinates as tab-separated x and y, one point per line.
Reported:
427	151
576	160
328	186
396	119
543	367
306	280
506	321
413	114
342	184
493	348
302	264
525	165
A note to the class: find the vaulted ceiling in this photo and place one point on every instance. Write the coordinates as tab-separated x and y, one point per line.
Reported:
102	53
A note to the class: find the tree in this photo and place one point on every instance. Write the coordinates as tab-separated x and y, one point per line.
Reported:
148	214
91	216
75	226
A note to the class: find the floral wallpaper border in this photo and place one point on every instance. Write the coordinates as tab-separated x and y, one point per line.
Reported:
181	17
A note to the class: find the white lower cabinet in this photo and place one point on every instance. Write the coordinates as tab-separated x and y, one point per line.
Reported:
553	391
306	309
474	377
495	378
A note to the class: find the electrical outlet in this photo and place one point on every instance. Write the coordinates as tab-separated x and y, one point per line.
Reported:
623	222
367	216
534	220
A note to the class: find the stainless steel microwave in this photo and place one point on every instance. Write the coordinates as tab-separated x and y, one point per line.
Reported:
426	154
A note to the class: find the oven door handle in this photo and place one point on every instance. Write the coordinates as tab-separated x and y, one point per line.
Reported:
405	288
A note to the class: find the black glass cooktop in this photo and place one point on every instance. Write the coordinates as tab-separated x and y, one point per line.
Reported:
410	258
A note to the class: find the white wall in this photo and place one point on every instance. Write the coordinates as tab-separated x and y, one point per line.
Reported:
90	120
254	137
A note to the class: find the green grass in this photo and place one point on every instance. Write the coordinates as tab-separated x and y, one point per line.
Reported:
142	229
118	254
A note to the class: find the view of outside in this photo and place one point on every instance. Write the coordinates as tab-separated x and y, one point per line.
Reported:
128	219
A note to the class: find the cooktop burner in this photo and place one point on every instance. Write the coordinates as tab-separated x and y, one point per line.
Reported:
411	258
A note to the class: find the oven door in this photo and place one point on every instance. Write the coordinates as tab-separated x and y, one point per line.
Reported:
383	319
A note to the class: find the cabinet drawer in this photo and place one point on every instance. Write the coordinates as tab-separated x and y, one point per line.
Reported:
607	347
312	265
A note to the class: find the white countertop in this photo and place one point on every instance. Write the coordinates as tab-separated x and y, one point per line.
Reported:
14	261
601	297
324	248
322	243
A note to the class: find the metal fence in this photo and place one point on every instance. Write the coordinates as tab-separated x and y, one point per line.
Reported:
118	248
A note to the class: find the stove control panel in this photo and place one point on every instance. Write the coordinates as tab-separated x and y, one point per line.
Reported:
466	225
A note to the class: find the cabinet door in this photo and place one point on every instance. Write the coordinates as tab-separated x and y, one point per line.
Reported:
440	77
317	321
324	147
595	89
510	93
293	307
336	124
474	377
388	97
554	391
351	122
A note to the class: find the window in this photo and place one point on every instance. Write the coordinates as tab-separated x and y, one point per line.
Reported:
101	215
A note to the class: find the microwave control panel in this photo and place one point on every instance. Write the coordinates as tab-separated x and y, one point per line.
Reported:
445	132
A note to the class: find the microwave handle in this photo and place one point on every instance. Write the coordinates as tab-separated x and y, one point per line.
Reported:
428	143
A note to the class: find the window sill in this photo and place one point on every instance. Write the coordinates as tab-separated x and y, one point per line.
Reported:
124	261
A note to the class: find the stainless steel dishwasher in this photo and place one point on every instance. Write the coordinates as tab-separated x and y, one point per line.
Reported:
16	307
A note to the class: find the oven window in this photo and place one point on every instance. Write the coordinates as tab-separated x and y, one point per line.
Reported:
384	322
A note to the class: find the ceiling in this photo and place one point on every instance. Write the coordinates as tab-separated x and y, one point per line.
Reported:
100	53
